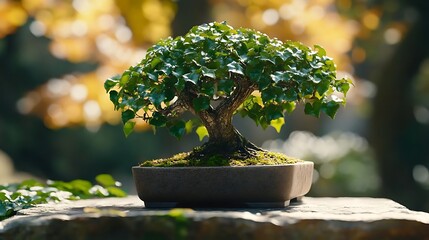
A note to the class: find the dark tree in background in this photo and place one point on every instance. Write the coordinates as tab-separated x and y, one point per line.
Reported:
399	141
189	14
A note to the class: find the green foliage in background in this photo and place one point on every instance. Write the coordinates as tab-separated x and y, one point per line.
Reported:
28	193
215	62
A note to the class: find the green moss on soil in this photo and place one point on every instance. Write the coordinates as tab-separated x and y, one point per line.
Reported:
184	160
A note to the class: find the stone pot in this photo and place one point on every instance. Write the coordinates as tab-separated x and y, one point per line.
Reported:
248	186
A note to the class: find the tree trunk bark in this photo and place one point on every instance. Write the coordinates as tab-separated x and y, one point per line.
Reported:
224	138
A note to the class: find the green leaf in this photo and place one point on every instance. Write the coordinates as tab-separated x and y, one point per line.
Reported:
225	85
284	55
208	88
289	106
29	183
114	97
81	186
191	77
314	79
267	60
3	210
180	85
263	39
128	128
152	76
170	93
105	180
127	115
343	88
322	87
158	120
316	65
202	132
178	72
263	122
124	78
290	95
264	82
97	191
201	103
307	88
61	185
252	108
235	67
207	72
6	211
268	94
313	109
110	83
254	71
157	98
343	85
4	197
272	112
277	123
222	26
189	126
155	62
116	192
280	76
320	51
330	108
178	129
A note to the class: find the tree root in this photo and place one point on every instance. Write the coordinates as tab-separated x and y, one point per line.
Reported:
244	150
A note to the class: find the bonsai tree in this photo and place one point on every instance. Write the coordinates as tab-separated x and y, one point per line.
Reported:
215	72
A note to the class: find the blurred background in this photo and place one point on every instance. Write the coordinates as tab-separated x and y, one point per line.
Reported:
56	121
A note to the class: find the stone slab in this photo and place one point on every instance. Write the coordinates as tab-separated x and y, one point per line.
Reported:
126	218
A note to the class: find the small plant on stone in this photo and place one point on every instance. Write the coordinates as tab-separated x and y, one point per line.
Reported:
14	197
215	72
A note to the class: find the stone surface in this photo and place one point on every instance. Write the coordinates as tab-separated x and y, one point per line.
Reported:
126	218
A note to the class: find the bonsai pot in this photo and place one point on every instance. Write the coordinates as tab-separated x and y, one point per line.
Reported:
248	186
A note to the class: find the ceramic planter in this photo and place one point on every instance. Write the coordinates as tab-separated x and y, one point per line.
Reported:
250	186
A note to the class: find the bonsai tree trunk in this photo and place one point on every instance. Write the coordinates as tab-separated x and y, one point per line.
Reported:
224	138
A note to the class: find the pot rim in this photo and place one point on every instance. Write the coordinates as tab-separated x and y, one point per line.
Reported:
304	162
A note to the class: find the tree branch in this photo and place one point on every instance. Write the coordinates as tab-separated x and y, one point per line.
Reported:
187	96
175	109
243	88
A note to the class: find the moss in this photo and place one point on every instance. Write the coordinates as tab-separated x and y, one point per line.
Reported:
184	160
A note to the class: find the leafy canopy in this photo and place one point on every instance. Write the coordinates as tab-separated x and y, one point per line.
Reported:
209	63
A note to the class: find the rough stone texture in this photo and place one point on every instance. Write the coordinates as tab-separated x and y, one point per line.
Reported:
126	218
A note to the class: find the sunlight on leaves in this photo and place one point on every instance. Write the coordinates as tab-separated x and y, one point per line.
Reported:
202	132
277	124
